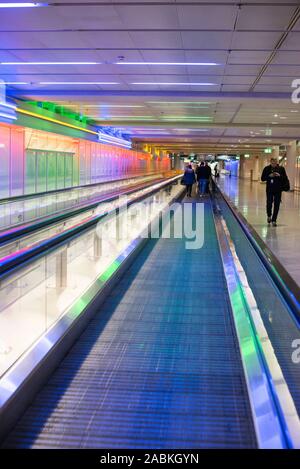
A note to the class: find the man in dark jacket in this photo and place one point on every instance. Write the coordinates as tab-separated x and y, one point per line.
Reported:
274	175
203	173
208	173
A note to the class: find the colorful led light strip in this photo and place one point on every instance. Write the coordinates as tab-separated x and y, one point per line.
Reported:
106	138
50	119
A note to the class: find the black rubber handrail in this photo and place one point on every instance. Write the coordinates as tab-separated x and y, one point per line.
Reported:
22	258
287	286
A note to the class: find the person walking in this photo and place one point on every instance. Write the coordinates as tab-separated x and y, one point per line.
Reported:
208	175
277	181
202	178
189	179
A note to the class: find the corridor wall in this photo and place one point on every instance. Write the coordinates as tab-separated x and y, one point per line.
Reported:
35	161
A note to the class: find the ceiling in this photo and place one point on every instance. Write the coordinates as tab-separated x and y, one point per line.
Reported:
241	103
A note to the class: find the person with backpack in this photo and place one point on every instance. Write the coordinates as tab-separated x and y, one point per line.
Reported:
277	181
189	179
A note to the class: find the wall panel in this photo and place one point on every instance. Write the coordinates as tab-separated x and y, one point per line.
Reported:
36	161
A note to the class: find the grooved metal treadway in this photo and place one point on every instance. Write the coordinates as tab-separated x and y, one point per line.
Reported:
158	367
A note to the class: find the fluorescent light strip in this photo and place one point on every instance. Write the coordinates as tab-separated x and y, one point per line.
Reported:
187	118
7	116
22	5
50	63
113	140
169	63
111	105
180	102
174	84
78	83
12	106
114	143
13	83
126	118
192	130
195	106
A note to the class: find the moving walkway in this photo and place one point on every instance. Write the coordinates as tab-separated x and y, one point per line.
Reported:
147	344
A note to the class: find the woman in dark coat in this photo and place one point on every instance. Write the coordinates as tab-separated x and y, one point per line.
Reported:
189	179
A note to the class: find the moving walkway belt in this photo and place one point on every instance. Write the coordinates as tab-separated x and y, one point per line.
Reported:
158	367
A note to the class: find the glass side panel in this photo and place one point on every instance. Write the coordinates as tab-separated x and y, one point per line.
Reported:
51	171
60	170
41	171
68	170
279	322
30	171
37	295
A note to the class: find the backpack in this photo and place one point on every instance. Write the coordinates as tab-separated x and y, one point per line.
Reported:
285	184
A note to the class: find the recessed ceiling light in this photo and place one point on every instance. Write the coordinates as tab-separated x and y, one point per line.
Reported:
275	115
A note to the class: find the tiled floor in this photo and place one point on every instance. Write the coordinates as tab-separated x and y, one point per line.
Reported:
284	240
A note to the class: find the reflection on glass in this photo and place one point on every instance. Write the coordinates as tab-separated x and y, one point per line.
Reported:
36	296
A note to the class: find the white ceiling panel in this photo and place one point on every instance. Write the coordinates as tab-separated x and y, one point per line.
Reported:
259	17
148	17
287	58
248	57
292	42
237	80
156	39
254	40
236	87
219	57
62	18
206	39
207	17
242	69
